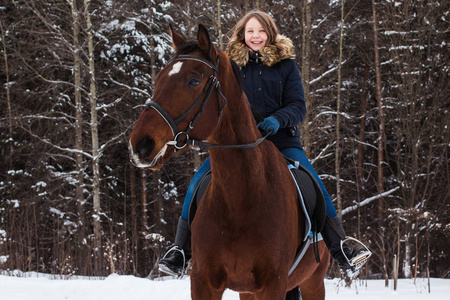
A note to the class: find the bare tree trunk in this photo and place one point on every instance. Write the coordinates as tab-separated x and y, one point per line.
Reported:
380	183
380	112
417	257
383	255
396	265
81	234
219	25
157	201
428	261
95	148
134	220
144	201
337	159
395	272
8	88
362	133
407	259
197	161
188	20
362	129
306	68
10	239
246	6
156	175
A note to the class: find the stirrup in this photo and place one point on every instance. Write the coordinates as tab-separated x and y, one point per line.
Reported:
166	270
359	260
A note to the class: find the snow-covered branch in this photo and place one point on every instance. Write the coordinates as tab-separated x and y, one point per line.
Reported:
131	88
71	150
368	200
322	153
326	73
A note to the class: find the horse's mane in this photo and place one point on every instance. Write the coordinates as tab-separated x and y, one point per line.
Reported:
188	47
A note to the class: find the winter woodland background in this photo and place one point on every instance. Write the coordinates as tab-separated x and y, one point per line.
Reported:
74	75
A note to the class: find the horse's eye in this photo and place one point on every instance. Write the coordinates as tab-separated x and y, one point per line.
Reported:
193	82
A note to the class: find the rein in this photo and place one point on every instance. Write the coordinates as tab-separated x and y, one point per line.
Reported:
212	83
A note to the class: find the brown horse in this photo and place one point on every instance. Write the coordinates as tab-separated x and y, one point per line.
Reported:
248	225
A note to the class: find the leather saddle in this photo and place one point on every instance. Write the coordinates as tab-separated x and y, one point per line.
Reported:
311	198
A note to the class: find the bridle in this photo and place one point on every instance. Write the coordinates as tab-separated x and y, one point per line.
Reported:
212	83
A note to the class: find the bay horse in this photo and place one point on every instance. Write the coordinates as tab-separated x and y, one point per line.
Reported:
248	225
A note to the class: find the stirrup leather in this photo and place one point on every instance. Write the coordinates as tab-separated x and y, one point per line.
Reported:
359	260
166	270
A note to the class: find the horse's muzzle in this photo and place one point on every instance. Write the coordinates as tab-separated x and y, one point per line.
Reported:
144	147
140	157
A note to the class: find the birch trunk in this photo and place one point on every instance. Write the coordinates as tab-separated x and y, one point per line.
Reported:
406	261
395	267
219	25
144	201
95	148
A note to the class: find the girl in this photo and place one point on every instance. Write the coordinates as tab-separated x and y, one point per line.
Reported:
272	84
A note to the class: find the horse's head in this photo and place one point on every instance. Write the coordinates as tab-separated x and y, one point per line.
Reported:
186	103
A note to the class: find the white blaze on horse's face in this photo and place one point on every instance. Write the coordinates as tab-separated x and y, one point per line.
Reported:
176	68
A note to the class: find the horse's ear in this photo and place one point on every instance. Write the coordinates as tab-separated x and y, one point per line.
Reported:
204	43
177	39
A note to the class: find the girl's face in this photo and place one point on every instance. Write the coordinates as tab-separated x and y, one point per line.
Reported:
255	35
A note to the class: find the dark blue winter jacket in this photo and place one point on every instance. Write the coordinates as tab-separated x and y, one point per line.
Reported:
276	91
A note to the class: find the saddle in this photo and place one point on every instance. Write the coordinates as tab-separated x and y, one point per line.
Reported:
311	200
310	196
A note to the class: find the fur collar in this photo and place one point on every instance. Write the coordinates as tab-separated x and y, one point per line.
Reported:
270	54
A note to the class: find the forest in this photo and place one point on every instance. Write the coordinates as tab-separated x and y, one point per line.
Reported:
75	75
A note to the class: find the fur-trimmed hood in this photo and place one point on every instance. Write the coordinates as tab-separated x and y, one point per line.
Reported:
283	48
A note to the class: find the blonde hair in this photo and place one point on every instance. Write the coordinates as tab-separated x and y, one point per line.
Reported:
266	21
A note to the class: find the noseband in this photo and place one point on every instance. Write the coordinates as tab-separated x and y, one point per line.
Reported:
212	83
205	94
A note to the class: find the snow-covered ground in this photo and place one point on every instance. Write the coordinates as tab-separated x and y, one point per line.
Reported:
41	287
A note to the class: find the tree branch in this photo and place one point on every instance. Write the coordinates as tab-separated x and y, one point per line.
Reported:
368	200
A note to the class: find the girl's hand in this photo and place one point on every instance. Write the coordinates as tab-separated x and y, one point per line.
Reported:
270	124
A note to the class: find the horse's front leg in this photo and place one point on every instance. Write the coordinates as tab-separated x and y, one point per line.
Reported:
205	285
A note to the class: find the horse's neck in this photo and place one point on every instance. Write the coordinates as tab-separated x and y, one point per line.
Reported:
236	127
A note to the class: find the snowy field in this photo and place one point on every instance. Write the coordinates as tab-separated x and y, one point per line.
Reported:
34	286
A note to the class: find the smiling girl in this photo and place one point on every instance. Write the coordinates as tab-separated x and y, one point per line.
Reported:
272	84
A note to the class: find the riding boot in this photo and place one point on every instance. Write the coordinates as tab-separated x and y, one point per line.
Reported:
175	260
333	232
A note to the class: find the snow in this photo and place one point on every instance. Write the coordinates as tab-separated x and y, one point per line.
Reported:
38	286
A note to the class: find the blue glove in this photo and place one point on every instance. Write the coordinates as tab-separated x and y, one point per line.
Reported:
270	124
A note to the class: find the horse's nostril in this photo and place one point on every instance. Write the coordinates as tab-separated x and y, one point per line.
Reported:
145	147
